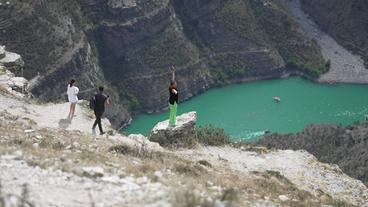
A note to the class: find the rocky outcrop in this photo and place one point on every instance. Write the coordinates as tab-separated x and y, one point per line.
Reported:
184	134
18	84
344	146
11	63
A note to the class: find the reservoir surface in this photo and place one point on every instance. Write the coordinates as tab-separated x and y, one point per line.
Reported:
247	110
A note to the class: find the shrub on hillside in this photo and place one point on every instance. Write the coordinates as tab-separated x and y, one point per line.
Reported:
210	135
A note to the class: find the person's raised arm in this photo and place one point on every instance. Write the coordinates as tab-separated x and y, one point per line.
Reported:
173	73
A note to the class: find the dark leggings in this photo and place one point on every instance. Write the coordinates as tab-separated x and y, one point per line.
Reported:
98	121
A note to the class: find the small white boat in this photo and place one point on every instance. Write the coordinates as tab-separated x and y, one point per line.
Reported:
277	99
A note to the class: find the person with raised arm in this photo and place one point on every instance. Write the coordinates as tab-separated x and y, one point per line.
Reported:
173	100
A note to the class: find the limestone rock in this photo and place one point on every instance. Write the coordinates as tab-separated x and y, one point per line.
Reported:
283	198
12	60
182	135
11	63
93	172
18	83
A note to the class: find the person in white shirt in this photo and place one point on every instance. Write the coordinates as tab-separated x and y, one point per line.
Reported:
72	97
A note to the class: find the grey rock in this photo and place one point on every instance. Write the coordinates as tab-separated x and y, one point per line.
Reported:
283	198
142	180
158	174
29	130
36	145
12	60
137	137
76	145
93	172
18	83
182	135
111	179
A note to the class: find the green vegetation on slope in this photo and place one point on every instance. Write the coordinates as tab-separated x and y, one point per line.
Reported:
168	48
269	24
213	136
236	67
239	17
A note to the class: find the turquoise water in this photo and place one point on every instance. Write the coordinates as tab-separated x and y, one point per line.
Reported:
247	110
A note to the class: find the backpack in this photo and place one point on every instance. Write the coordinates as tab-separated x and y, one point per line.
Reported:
92	103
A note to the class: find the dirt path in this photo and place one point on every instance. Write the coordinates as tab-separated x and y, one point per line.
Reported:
345	67
52	115
55	115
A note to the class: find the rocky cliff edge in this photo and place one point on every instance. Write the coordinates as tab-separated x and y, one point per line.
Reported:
47	160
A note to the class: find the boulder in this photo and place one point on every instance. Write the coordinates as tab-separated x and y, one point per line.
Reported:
18	83
283	198
184	134
13	62
11	59
93	172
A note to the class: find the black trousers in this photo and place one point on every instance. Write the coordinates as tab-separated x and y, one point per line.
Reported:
98	121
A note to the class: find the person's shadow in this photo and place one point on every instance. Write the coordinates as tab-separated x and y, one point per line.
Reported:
64	123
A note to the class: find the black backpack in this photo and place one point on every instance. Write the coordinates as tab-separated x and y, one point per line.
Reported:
92	103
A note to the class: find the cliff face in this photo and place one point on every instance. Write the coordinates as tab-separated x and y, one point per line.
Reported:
49	36
346	147
128	46
345	20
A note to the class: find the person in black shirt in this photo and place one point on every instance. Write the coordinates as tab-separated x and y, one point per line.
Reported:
100	102
173	100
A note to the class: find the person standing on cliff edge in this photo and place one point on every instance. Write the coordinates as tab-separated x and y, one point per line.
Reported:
100	102
72	93
173	100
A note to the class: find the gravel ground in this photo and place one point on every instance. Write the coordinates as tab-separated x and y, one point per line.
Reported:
56	188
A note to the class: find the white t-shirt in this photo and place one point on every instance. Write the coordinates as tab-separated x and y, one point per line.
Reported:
72	94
